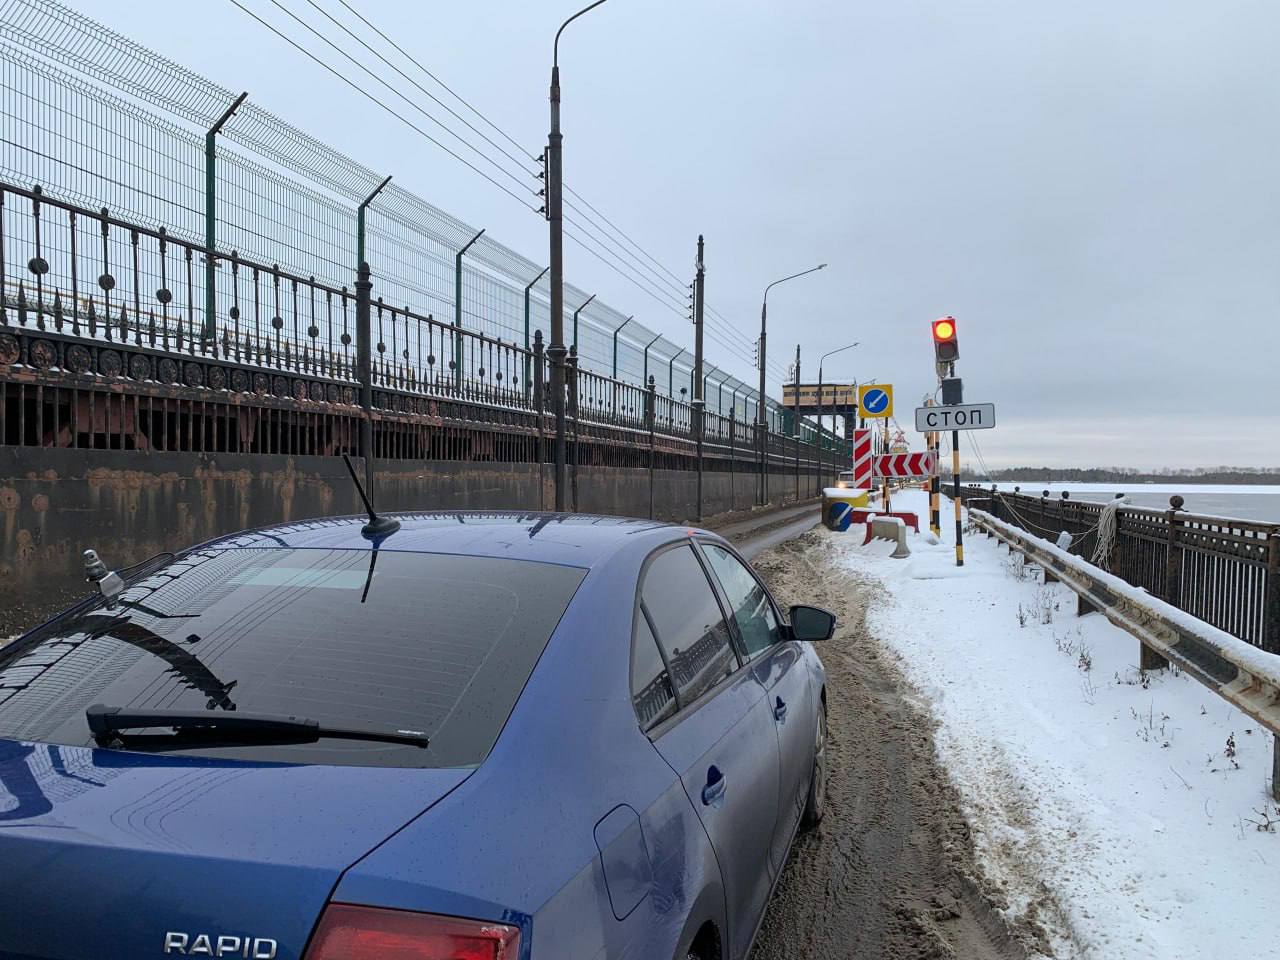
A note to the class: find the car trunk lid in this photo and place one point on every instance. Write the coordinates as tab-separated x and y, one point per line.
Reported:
113	854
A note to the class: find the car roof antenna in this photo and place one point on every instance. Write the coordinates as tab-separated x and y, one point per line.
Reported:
378	528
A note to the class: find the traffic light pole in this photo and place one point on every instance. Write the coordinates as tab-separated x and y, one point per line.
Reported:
946	350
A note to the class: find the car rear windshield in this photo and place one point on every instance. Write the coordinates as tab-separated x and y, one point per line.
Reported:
440	644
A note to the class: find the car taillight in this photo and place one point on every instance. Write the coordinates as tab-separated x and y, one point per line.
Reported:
349	932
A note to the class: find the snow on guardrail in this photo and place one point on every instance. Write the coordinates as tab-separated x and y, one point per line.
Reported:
1242	674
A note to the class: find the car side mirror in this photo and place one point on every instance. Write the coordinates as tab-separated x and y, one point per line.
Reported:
812	623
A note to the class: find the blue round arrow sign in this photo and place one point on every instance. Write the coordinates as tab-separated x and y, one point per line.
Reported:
873	401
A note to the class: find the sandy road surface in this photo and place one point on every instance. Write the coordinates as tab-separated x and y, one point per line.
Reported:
889	875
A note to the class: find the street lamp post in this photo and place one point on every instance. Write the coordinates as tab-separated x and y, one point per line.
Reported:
555	217
829	353
760	423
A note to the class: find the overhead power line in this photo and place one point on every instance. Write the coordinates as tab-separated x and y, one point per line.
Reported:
668	275
404	53
399	116
426	113
519	161
648	274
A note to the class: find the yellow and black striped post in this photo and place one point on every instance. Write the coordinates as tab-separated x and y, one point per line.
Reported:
885	448
955	494
935	479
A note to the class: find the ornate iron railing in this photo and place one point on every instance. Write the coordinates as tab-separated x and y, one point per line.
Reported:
1223	571
111	338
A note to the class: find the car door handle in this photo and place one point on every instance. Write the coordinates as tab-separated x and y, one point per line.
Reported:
713	792
779	710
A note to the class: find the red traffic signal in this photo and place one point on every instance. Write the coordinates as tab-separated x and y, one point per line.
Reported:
946	347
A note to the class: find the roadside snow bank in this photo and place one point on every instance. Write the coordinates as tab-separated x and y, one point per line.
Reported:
1127	814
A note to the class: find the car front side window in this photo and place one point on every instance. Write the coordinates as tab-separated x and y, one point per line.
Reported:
752	609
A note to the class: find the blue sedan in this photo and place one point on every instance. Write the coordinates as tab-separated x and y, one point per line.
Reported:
443	737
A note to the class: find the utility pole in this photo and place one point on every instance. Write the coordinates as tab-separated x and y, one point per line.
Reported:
556	350
762	441
699	387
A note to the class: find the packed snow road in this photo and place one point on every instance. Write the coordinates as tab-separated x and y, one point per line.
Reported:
996	757
889	874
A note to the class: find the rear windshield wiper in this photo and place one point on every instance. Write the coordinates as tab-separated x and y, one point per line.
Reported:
105	721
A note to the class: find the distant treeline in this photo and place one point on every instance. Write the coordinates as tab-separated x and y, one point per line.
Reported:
1128	475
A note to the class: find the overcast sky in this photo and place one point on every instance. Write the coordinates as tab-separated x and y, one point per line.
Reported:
1090	188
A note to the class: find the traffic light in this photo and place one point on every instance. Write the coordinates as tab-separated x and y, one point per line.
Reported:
946	348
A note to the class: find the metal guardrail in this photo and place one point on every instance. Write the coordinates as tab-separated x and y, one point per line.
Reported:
1221	570
1246	677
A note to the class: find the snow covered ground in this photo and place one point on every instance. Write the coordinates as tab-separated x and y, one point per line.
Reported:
1129	815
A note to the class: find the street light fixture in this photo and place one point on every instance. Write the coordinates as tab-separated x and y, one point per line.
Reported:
829	353
821	360
760	407
555	217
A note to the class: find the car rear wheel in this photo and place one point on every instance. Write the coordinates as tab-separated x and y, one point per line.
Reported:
816	806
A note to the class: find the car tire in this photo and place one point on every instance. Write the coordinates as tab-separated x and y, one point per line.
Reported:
816	806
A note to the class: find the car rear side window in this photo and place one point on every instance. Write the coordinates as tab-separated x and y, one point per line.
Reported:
688	621
440	644
651	690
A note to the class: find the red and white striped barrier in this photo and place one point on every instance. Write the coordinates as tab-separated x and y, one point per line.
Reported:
904	465
863	477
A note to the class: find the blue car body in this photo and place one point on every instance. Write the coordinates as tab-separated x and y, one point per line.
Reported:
593	837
